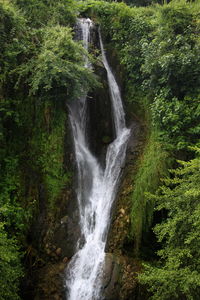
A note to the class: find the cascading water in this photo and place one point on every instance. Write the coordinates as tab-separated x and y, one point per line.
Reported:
96	188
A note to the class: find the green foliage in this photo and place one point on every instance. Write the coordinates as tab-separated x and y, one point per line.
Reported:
12	30
152	168
41	12
47	146
178	119
171	67
11	211
10	267
178	272
141	2
124	29
41	67
58	65
158	47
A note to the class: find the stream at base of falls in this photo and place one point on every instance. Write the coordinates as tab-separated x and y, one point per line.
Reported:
97	186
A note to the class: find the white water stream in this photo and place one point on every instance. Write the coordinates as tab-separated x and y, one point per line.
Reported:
97	187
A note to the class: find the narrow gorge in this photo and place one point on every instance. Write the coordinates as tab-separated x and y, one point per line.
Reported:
97	186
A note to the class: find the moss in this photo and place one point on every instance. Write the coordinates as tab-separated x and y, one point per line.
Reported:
47	149
154	163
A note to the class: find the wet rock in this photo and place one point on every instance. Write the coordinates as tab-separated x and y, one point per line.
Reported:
100	128
66	235
48	251
118	240
57	297
122	211
58	251
120	278
50	282
64	220
111	277
65	260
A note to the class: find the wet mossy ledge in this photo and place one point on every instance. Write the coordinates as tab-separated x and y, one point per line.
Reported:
154	53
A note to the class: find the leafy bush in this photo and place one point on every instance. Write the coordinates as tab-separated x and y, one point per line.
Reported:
10	267
12	30
40	12
171	71
59	65
177	275
177	119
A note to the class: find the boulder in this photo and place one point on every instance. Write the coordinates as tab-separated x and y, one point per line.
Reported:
111	277
66	235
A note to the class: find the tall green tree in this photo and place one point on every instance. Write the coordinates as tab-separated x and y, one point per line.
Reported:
177	274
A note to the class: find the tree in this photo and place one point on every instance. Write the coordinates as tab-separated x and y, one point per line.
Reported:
59	65
177	275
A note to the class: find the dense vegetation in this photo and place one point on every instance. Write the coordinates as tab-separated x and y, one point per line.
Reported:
42	67
158	47
177	274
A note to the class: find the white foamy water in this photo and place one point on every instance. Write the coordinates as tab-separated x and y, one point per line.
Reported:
97	187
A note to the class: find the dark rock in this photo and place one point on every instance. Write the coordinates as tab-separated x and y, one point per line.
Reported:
64	220
57	297
65	260
120	278
111	277
101	127
66	236
50	282
58	251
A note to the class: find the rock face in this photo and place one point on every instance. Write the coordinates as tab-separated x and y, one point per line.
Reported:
111	277
119	243
120	225
100	129
50	283
65	236
120	274
120	278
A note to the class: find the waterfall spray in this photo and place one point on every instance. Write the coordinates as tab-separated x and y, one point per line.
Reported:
97	187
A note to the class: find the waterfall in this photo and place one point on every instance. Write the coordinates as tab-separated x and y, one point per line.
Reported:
96	187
